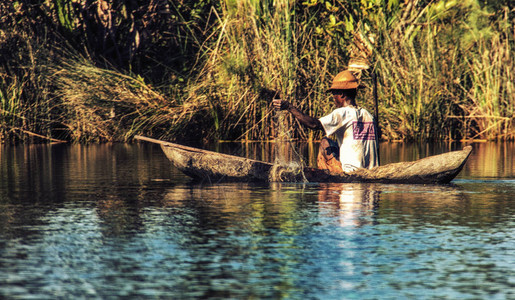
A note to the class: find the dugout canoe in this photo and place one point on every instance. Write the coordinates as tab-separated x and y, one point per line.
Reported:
209	166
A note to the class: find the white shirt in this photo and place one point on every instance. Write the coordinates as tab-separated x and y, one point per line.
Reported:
355	133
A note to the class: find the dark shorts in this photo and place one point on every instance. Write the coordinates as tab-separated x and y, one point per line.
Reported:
332	149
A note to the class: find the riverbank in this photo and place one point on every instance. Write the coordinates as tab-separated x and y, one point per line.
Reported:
206	71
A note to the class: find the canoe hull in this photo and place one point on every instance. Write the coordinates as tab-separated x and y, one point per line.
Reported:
213	167
439	169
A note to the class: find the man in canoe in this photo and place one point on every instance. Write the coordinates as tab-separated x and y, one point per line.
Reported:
353	128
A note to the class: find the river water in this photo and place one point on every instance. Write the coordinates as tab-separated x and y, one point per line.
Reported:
116	220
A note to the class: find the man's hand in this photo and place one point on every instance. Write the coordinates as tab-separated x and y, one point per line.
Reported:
281	104
305	120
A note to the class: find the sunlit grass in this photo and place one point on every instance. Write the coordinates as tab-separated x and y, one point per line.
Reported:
491	97
444	83
10	106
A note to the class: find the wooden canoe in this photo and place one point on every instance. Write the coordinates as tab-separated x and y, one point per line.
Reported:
217	167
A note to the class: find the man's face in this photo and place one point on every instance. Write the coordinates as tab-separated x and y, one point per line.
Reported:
339	98
343	98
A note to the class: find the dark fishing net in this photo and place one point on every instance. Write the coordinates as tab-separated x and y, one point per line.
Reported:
288	164
292	171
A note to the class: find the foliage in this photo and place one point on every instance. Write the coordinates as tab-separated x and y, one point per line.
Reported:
23	85
146	37
99	70
446	70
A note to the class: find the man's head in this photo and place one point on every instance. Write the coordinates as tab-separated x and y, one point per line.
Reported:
344	88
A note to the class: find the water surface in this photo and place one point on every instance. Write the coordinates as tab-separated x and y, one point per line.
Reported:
111	221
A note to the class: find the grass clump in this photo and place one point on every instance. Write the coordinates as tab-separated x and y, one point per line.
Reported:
97	104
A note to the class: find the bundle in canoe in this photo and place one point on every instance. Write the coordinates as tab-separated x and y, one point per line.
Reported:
217	167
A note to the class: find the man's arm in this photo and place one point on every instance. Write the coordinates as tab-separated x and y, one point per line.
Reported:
308	121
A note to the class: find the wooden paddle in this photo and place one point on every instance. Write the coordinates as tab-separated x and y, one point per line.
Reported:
376	113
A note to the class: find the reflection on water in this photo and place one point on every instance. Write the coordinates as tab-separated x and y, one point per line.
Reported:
492	160
351	204
108	221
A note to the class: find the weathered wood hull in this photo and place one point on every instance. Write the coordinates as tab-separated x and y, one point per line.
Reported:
216	167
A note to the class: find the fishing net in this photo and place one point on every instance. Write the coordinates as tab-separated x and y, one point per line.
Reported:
289	164
292	171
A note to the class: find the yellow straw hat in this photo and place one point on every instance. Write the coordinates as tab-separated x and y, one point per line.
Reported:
344	81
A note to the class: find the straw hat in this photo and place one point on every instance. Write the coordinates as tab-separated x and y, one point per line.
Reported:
344	81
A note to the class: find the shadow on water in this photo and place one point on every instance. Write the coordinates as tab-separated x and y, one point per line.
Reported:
38	179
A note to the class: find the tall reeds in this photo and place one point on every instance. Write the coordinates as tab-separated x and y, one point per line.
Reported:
207	70
264	46
11	114
433	83
414	64
250	53
447	82
490	106
23	86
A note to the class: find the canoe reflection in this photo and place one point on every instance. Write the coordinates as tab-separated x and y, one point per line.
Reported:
352	204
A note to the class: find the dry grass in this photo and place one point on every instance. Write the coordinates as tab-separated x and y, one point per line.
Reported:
97	104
